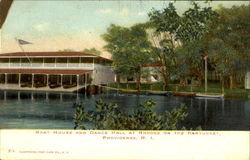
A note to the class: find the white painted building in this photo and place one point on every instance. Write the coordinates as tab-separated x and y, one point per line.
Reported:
54	69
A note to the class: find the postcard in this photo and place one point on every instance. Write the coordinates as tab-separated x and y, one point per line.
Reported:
124	80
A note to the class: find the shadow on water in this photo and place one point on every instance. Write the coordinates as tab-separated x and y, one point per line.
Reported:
53	110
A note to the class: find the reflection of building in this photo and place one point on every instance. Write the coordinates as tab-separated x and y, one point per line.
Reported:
51	70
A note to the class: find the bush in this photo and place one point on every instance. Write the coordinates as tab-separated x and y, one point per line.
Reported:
109	116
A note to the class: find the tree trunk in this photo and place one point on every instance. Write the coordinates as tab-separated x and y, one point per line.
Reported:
222	82
233	82
199	79
226	82
182	81
138	81
165	80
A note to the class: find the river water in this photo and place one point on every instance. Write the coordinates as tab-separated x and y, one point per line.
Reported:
48	110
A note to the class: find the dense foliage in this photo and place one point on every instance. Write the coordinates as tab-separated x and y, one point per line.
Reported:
228	44
172	33
180	42
129	48
109	116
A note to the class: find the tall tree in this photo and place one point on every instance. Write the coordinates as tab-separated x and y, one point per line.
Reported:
172	31
129	48
229	43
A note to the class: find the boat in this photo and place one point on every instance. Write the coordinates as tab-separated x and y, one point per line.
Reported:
210	95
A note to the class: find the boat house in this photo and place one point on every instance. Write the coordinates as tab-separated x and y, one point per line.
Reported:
58	71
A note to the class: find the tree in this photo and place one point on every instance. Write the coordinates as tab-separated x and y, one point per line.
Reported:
92	51
129	48
172	31
109	116
229	44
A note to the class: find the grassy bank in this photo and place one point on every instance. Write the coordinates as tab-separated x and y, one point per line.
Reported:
213	88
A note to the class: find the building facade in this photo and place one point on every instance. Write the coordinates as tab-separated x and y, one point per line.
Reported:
51	70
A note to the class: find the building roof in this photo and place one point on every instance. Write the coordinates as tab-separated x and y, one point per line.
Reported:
45	71
48	54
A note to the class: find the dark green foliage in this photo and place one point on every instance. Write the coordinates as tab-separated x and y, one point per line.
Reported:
228	44
92	51
129	48
67	50
109	116
175	40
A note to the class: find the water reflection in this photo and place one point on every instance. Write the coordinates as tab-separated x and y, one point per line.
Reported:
26	109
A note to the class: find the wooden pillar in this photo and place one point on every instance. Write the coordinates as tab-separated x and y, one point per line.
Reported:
67	62
86	77
32	81
85	83
61	80
47	83
19	79
6	78
43	62
77	79
57	79
55	62
20	63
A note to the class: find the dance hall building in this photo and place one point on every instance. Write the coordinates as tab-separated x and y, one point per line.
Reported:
59	71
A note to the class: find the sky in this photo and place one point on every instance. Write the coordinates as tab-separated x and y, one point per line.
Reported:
53	25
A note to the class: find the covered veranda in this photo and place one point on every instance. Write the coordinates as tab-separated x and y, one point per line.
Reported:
48	80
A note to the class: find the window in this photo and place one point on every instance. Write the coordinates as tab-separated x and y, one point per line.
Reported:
73	60
4	60
61	60
87	60
37	60
49	60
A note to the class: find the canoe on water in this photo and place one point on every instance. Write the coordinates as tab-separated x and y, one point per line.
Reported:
210	95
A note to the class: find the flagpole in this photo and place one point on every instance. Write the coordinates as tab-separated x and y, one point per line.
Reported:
22	49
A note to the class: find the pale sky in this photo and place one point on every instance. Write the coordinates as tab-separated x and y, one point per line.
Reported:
56	25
